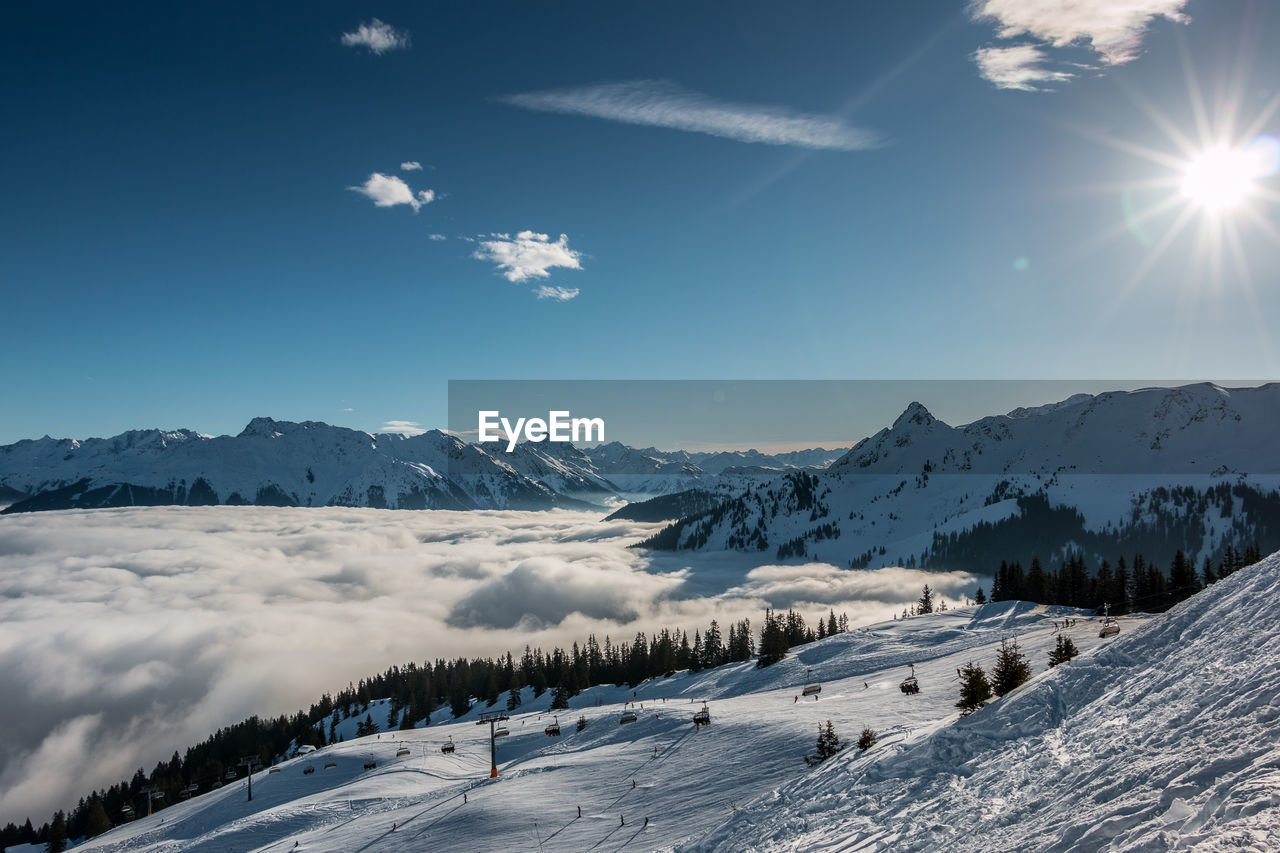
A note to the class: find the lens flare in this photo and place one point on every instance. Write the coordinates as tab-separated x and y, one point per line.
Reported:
1220	178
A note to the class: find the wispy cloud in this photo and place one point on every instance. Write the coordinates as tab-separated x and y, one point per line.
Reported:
1020	66
410	166
1112	29
403	428
559	294
527	255
436	237
660	103
389	191
377	37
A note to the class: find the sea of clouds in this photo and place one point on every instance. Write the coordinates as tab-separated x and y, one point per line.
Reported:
126	634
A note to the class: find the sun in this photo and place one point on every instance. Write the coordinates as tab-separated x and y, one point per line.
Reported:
1221	178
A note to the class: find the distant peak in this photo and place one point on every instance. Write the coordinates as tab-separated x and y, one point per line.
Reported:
914	415
270	427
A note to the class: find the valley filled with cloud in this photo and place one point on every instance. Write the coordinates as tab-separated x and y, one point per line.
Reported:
129	633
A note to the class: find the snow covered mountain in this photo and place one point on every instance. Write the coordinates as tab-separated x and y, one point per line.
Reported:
277	463
1164	737
1156	470
281	463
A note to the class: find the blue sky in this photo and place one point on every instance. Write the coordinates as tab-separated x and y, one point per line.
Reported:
189	236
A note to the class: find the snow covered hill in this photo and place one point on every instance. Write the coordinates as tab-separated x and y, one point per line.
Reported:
685	781
281	463
1168	738
1154	470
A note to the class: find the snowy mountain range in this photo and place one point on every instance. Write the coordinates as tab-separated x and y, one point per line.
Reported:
1163	737
1154	470
281	463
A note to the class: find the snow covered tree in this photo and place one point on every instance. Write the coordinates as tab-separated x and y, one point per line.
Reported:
867	739
1012	669
926	601
975	689
1064	651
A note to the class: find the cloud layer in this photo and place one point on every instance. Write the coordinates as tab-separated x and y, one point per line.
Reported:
663	104
528	255
390	191
126	634
377	37
1111	29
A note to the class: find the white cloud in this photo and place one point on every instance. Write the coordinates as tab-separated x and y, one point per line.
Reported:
411	166
559	294
436	237
1017	67
403	427
377	37
389	191
527	255
129	633
663	104
1112	29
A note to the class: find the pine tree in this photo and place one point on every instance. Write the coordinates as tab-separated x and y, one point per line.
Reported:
979	597
1064	651
560	700
926	600
828	744
975	689
867	739
57	834
513	699
773	641
97	821
1012	669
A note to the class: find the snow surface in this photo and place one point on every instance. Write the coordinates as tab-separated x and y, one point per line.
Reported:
686	781
1164	739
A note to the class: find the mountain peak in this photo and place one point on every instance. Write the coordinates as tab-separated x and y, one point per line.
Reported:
914	415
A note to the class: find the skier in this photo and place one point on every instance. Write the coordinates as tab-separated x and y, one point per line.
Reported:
646	820
622	821
794	701
579	811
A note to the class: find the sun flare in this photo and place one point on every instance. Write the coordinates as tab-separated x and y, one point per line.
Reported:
1221	178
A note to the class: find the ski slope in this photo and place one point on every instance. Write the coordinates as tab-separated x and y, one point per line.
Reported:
686	781
1166	739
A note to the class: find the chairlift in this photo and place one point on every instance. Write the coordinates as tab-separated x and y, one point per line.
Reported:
329	765
627	717
370	765
308	770
811	686
501	731
1110	627
910	685
582	722
273	770
553	730
217	783
447	747
126	811
703	717
402	751
230	775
